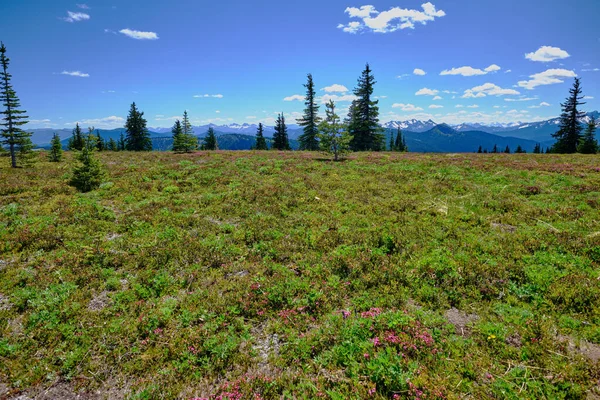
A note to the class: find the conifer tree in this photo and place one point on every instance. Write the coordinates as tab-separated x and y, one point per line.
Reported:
261	142
480	150
56	150
569	132
100	143
76	142
88	175
392	142
179	144
495	149
537	149
186	125
548	150
364	116
210	140
519	150
400	144
138	137
112	145
310	120
280	137
485	151
507	150
122	144
589	144
18	141
334	136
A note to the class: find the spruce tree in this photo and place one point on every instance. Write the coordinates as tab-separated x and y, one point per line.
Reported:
138	137
310	120
186	125
480	150
400	144
56	150
18	141
77	141
485	151
179	145
507	150
210	140
100	143
392	142
364	116
334	136
261	142
548	150
112	145
569	132
520	150
495	149
88	175
122	144
589	144
537	149
280	137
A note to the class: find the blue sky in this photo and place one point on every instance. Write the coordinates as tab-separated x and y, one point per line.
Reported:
243	61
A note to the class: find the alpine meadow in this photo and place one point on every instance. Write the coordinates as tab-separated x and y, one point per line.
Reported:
316	200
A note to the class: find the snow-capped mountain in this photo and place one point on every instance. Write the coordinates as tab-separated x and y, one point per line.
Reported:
413	125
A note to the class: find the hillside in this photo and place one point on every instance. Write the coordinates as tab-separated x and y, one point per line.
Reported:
283	275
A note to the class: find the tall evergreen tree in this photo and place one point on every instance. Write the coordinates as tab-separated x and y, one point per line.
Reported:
122	144
261	142
364	116
495	149
100	143
210	140
186	125
400	144
479	150
138	137
537	149
310	120
334	137
520	150
507	150
589	144
392	142
179	145
76	142
280	137
56	150
18	141
569	132
112	145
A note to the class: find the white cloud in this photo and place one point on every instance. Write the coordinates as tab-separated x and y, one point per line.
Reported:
139	35
199	96
437	98
389	21
427	92
548	77
508	71
335	88
294	98
473	106
407	107
83	6
436	106
588	97
251	117
337	98
403	76
547	54
542	104
522	98
76	17
470	71
459	106
163	118
590	70
110	31
419	71
487	89
107	122
75	73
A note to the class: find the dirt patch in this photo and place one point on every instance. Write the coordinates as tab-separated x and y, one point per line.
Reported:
15	326
504	227
514	340
583	347
5	304
99	302
109	390
112	236
461	321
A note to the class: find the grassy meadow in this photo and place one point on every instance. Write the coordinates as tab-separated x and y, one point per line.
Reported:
269	275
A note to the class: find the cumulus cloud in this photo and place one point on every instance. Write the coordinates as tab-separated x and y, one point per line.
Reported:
542	104
407	107
335	88
83	6
139	35
106	122
487	89
436	106
590	70
75	17
548	77
470	71
473	106
78	74
427	92
437	98
295	97
389	21
588	97
547	54
337	98
522	98
200	96
419	71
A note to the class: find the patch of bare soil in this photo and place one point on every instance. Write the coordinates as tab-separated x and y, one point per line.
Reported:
99	302
504	227
583	347
461	320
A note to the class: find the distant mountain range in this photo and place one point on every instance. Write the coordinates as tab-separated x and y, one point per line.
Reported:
421	136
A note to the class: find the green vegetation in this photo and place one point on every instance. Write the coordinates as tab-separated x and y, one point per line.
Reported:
56	152
333	136
210	141
363	116
391	275
183	142
310	120
138	137
588	143
568	135
280	137
89	174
